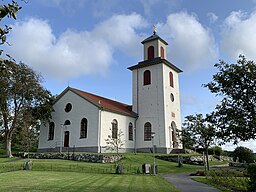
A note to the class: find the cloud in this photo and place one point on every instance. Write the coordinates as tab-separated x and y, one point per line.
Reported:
192	46
212	17
239	34
120	31
251	144
74	53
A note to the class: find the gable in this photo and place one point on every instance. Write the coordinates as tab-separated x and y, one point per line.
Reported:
101	102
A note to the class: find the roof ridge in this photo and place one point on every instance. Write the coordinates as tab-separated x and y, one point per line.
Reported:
99	96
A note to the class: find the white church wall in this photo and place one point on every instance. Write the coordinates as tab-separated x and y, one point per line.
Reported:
150	109
172	108
80	109
123	124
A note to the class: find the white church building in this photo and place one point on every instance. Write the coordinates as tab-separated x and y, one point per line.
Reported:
82	121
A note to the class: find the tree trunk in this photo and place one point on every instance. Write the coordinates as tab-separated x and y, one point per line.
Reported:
8	145
207	160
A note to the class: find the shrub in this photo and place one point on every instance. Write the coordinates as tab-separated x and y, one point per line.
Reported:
243	155
216	150
252	174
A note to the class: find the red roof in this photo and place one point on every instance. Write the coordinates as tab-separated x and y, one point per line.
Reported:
104	103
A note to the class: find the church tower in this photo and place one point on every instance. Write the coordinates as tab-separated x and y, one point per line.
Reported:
156	98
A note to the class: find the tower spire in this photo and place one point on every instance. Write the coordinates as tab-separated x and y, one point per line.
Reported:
154	31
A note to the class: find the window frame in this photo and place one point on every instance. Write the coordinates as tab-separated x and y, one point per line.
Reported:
51	131
83	128
171	79
114	129
162	52
130	132
151	52
147	77
68	107
67	122
147	131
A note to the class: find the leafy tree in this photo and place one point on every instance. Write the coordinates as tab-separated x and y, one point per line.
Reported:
23	101
115	144
188	139
216	150
235	116
201	131
10	10
243	154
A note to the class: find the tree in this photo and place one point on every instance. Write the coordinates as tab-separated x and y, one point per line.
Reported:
235	116
115	144
188	139
201	132
23	101
10	10
243	155
216	150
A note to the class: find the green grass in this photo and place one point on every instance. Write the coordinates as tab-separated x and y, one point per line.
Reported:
163	166
71	181
67	175
130	164
203	179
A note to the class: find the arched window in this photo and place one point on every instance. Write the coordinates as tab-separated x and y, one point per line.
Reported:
130	132
151	53
174	135
162	52
67	122
114	129
171	79
51	131
83	128
147	132
147	77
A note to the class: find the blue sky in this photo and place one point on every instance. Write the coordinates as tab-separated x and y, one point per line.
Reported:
88	44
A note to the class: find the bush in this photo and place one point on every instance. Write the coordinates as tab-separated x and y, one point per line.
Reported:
216	150
243	155
252	174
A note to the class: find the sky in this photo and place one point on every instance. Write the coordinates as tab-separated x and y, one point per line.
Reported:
89	44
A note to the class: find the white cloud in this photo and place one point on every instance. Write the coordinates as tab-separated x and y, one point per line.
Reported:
251	144
120	31
73	54
239	35
191	46
212	17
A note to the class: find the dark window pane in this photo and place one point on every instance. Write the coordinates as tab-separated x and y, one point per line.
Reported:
130	132
151	53
147	132
147	77
83	128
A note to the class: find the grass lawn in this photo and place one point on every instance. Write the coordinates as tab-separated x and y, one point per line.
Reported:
68	175
130	164
73	181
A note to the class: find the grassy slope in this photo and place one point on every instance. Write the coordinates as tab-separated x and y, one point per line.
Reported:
48	175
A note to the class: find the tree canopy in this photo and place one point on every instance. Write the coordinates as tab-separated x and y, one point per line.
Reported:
199	131
243	155
23	100
235	116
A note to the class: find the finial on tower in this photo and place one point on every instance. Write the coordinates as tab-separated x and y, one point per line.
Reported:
154	32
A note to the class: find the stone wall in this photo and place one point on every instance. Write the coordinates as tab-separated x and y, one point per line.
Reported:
95	158
194	160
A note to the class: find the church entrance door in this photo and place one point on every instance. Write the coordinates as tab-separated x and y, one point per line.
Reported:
66	139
